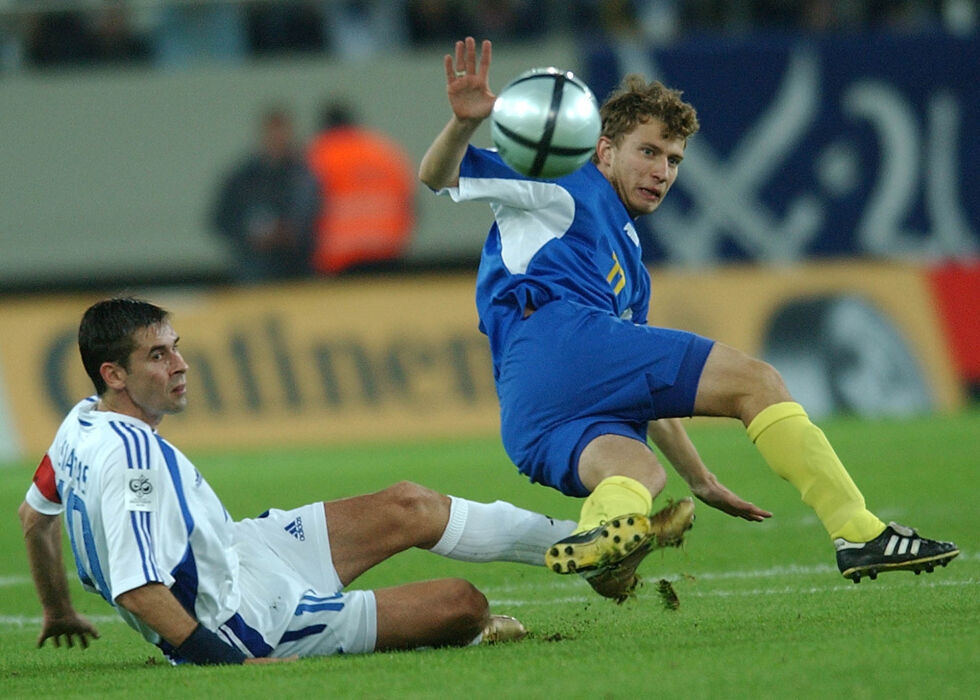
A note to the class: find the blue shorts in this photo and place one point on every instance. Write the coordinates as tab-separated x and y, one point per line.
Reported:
570	374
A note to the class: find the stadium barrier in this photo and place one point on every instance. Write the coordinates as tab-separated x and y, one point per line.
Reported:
376	358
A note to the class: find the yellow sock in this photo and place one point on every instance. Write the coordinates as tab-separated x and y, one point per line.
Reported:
798	451
612	497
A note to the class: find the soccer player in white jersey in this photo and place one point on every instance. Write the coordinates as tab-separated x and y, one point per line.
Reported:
149	535
583	381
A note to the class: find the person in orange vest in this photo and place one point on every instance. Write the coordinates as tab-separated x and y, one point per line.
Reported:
368	189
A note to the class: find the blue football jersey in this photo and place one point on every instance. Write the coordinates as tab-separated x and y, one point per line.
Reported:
570	239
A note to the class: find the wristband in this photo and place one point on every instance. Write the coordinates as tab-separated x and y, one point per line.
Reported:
204	647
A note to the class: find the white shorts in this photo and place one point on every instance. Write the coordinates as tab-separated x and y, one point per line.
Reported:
292	592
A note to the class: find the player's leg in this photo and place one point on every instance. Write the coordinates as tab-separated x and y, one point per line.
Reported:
446	612
616	530
663	368
366	530
736	385
575	392
622	475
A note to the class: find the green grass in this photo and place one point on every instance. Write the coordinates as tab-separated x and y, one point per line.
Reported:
763	611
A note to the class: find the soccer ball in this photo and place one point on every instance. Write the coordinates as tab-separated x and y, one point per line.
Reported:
545	123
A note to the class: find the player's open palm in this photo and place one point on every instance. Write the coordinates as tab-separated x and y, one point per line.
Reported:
467	82
717	495
68	627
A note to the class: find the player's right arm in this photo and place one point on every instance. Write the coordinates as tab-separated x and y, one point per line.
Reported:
42	537
669	435
472	101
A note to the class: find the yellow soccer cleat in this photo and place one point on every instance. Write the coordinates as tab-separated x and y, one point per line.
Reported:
667	529
606	544
671	523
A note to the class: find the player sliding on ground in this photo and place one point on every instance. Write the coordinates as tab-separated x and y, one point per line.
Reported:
583	381
150	536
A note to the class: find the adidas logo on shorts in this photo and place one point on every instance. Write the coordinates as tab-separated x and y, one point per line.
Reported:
295	529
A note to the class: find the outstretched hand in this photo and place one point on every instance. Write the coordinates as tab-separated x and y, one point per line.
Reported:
467	82
70	627
717	495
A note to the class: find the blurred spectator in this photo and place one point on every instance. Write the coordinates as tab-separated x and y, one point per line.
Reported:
114	37
436	21
277	28
12	44
504	20
78	38
189	34
359	29
368	189
266	207
59	38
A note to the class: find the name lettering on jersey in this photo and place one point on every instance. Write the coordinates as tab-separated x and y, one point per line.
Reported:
76	469
141	489
617	274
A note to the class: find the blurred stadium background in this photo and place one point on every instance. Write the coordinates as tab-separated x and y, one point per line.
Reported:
827	216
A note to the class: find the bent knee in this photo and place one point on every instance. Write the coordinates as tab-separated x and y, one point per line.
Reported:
425	510
737	385
765	387
412	499
469	607
769	382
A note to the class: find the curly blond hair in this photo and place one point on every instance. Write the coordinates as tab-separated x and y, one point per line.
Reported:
636	101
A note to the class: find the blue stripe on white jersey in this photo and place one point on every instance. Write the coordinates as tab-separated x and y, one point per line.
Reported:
244	637
144	540
294	635
186	581
137	446
312	603
170	457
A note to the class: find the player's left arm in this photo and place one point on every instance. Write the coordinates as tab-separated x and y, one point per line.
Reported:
42	537
155	605
669	435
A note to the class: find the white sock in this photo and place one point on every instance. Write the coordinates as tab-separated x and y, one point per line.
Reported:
498	531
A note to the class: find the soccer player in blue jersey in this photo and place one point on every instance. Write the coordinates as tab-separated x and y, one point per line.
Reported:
583	381
150	536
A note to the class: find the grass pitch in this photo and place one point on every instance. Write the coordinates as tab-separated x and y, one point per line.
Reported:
761	609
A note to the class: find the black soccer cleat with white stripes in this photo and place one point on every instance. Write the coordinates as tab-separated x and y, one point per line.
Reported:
898	548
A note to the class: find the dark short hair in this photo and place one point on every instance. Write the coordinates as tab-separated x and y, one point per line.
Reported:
107	333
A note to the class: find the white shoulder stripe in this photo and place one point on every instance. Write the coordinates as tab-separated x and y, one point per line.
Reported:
529	213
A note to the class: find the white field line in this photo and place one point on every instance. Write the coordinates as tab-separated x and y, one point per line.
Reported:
588	597
6	581
36	620
498	603
499	597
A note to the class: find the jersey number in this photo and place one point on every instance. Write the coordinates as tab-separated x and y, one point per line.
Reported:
617	274
83	545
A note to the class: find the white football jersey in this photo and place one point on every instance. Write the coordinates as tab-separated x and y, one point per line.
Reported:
137	511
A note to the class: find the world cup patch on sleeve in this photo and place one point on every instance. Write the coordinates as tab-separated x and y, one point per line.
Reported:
141	489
